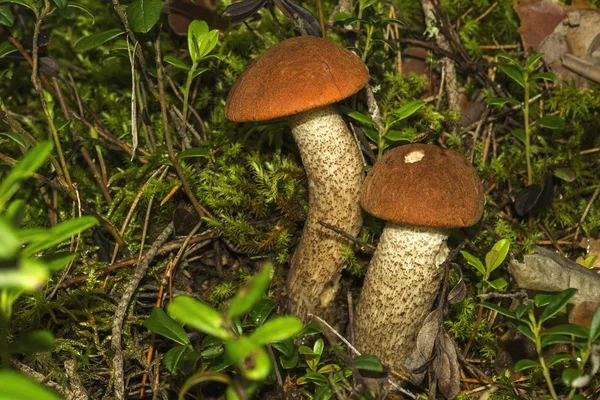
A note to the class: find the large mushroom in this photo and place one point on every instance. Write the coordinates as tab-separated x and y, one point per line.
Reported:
300	78
421	191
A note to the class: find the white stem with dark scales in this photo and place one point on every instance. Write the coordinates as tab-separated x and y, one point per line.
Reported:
334	169
400	287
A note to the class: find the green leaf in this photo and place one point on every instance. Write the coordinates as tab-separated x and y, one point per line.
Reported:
32	342
498	284
367	362
172	357
567	174
195	152
531	61
551	122
568	329
261	311
249	295
57	261
196	31
98	39
396	135
499	309
10	243
30	275
60	233
6	16
363	118
569	375
289	362
496	256
198	315
474	262
525	329
501	101
285	347
542	299
60	3
338	17
520	134
514	73
276	330
160	322
559	300
25	168
556	358
176	62
143	14
33	5
524	364
15	212
18	138
595	325
510	59
6	48
407	110
78	6
547	340
199	71
14	386
249	357
547	76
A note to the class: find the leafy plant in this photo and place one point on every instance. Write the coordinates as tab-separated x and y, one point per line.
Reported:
493	259
529	319
23	270
227	341
387	136
527	77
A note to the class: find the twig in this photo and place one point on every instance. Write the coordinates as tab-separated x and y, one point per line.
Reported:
33	374
585	213
366	247
117	327
78	390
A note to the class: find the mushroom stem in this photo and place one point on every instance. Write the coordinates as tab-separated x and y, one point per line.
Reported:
334	169
399	290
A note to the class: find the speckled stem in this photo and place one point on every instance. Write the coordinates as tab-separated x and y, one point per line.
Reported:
334	169
399	290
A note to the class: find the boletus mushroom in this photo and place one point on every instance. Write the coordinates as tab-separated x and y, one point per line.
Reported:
422	191
301	78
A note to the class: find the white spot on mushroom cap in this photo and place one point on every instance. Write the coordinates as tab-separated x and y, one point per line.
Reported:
414	156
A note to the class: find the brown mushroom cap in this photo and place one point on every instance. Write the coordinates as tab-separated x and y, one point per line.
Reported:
293	76
424	185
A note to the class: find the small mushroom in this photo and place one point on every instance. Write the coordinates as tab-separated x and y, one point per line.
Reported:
421	191
300	78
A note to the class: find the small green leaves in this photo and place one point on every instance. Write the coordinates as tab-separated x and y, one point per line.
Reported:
198	315
98	39
249	295
595	325
200	41
78	6
143	14
160	322
33	5
250	358
60	3
32	342
405	111
6	16
360	117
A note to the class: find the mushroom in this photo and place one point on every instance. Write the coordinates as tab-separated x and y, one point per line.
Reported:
421	191
300	78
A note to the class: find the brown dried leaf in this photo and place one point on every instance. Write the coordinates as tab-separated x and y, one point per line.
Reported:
447	367
423	351
459	291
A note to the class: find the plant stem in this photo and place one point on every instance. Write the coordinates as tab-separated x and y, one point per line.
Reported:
5	313
527	134
545	370
186	93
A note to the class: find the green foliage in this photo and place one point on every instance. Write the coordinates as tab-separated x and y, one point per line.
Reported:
245	352
529	319
23	272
